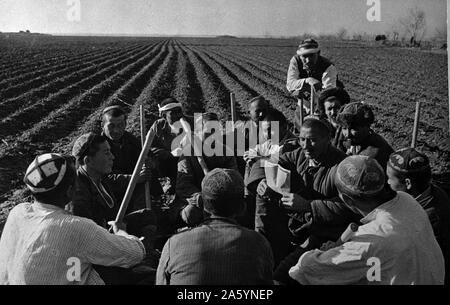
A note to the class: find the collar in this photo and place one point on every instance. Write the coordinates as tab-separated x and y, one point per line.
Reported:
49	207
213	218
425	195
388	205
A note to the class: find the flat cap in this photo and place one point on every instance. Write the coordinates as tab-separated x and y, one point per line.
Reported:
82	144
359	175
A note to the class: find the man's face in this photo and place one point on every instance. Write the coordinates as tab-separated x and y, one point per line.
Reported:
313	143
394	181
172	116
102	161
309	60
114	127
258	111
332	107
355	134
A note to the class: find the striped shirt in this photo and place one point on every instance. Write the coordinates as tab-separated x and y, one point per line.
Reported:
43	244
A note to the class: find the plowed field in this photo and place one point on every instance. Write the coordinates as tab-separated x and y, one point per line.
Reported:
52	89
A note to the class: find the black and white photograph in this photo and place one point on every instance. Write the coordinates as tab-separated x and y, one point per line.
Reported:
228	148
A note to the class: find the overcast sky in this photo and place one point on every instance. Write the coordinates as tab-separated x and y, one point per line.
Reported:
211	17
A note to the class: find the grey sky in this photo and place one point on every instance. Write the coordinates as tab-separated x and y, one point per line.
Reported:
212	17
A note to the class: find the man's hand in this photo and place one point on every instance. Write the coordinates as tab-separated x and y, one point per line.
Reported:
145	175
312	81
263	188
329	245
250	155
295	202
117	227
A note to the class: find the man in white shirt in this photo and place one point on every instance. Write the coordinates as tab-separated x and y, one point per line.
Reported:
42	244
394	245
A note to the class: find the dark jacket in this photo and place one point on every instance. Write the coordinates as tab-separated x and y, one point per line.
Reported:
437	205
218	252
88	201
126	153
374	146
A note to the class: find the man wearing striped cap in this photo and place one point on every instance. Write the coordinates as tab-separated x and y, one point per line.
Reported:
42	244
308	68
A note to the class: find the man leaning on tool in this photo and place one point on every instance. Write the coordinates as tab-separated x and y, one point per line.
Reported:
308	68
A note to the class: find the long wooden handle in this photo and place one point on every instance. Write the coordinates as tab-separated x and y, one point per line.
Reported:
134	177
233	107
148	199
311	107
416	125
300	105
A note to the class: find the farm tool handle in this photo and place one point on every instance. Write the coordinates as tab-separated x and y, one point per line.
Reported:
200	159
233	108
148	199
134	176
416	125
311	106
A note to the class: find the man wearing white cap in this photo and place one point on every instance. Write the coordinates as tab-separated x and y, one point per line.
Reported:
164	147
308	68
42	244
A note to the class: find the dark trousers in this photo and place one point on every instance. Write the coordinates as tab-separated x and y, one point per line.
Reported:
272	221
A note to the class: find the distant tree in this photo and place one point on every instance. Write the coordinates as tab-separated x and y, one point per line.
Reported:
27	31
380	38
414	25
342	34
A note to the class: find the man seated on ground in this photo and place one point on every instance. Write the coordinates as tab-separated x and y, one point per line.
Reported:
312	168
41	242
218	251
357	136
187	208
330	102
96	194
126	150
409	171
250	130
165	151
394	245
285	141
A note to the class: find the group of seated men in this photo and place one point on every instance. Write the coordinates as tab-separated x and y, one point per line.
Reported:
226	225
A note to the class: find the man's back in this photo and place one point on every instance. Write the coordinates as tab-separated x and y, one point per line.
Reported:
40	244
218	252
395	245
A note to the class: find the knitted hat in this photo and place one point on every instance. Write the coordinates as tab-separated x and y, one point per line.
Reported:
409	160
308	46
46	172
356	114
359	175
223	183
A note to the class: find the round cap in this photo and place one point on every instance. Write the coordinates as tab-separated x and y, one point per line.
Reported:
359	175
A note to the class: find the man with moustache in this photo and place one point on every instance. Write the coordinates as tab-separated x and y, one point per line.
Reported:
288	217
